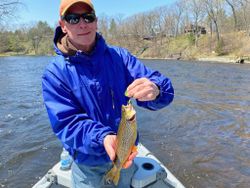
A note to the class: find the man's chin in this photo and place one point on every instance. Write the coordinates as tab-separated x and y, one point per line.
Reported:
85	46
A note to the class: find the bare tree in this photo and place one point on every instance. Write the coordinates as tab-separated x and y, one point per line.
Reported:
244	9
196	11
178	10
159	12
137	25
169	21
213	8
131	31
233	5
103	25
8	8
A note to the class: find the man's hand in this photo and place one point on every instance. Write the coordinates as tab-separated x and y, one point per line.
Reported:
110	146
143	89
129	162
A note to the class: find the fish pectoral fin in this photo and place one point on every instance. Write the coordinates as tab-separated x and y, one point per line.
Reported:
133	153
134	149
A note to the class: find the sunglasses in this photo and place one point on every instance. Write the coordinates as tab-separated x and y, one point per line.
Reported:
75	18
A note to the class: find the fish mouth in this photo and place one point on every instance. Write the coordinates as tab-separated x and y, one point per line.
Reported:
132	118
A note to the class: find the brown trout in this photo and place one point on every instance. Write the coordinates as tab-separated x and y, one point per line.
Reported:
126	137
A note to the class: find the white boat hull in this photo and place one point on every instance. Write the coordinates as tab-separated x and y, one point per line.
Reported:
151	173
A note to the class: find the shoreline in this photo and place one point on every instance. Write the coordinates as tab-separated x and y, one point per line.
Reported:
224	59
214	59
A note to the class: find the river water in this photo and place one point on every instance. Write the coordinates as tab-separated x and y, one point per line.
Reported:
203	137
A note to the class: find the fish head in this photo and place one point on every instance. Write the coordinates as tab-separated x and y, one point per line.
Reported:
129	111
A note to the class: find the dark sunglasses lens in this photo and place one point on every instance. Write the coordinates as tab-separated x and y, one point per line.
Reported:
72	18
89	18
75	18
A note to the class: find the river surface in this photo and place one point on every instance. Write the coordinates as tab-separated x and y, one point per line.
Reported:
203	137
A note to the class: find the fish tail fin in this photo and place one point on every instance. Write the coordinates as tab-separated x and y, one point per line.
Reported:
116	178
113	175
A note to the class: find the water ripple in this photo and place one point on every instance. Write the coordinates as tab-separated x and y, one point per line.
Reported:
202	137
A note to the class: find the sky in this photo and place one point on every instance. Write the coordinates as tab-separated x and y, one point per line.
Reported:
47	10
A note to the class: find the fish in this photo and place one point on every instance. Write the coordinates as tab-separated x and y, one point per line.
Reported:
126	138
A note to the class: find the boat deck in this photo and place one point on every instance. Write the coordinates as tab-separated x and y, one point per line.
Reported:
150	173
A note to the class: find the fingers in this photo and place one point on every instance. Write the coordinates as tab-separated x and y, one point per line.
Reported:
129	162
110	142
110	145
143	89
132	156
136	82
144	95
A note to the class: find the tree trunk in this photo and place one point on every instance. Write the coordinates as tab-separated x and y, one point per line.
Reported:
217	30
234	15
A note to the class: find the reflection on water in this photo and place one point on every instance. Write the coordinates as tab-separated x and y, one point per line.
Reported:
203	137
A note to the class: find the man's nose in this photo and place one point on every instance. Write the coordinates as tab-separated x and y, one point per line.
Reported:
82	22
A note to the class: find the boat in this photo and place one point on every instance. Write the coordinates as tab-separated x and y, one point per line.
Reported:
150	173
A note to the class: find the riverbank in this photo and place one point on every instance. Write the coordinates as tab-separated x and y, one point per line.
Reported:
220	59
182	47
225	59
233	48
9	54
212	59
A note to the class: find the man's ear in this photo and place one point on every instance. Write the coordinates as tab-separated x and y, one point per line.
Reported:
62	24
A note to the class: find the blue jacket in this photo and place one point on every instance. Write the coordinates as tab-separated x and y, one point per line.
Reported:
83	95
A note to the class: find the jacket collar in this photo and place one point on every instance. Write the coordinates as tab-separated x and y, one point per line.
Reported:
77	55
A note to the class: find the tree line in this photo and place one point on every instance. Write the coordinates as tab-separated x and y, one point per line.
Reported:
36	40
218	17
158	26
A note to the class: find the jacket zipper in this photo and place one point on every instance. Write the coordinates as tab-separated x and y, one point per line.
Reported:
113	100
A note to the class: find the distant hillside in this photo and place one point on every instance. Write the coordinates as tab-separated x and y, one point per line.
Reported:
233	45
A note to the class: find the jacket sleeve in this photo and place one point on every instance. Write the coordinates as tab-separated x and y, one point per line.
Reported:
69	121
136	69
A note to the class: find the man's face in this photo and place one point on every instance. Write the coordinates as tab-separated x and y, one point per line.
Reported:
82	35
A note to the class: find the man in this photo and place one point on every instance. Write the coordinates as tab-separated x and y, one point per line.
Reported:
83	90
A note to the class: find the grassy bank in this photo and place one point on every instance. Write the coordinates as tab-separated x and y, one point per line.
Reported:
233	47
